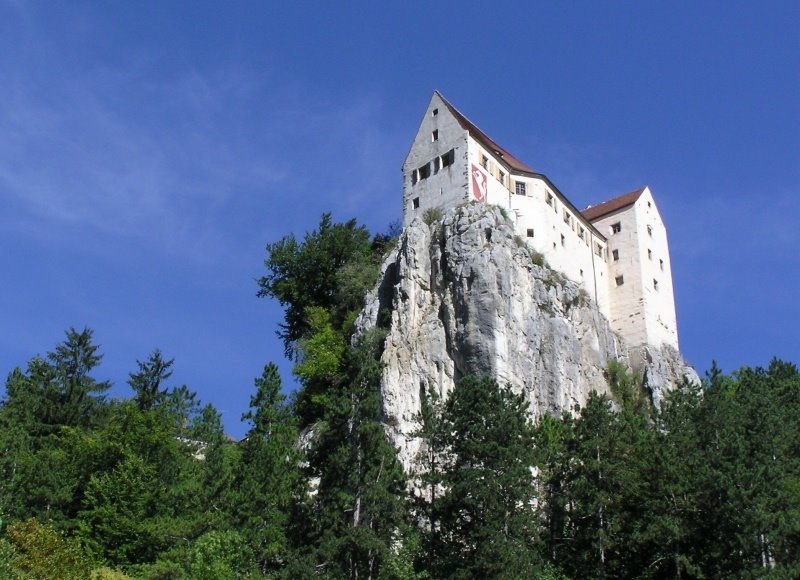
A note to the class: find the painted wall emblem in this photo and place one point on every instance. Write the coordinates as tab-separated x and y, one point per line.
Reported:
479	185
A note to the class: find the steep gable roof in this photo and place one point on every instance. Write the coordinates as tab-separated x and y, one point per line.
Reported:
490	144
595	212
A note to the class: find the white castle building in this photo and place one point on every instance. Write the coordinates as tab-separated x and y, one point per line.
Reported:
617	250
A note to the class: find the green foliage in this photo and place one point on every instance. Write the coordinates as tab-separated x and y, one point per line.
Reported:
146	383
485	522
357	508
303	275
39	551
431	215
269	480
627	388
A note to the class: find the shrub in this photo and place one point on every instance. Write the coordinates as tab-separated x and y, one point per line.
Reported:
431	215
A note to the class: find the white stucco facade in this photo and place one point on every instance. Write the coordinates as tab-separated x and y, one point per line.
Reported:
617	251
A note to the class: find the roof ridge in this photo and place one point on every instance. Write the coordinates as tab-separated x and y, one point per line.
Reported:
511	160
593	212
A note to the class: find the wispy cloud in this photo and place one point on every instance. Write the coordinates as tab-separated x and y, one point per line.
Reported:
125	153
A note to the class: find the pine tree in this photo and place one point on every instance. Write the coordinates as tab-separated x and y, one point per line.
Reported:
487	513
269	481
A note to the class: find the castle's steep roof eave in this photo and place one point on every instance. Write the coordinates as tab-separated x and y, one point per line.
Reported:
490	144
595	212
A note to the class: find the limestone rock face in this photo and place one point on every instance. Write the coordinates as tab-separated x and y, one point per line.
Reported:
465	296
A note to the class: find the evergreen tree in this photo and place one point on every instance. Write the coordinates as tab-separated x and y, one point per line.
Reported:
269	479
148	380
358	508
487	513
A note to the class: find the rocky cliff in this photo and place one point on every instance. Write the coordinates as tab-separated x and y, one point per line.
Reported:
464	295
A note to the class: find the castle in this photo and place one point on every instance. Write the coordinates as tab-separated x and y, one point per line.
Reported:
617	250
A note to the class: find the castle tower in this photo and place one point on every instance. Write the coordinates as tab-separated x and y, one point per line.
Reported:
640	275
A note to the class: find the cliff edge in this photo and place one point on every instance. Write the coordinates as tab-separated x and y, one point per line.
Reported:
464	295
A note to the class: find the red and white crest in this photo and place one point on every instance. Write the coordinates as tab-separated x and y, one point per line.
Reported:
479	184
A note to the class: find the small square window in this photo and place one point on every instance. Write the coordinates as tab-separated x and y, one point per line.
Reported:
655	284
549	198
615	255
434	112
581	273
661	264
649	254
616	228
650	231
501	176
435	135
416	202
581	233
598	249
649	204
449	158
563	240
530	232
619	280
519	188
567	218
484	161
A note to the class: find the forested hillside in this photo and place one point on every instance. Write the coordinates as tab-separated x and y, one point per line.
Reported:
706	486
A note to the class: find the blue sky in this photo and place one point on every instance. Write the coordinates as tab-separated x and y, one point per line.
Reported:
150	150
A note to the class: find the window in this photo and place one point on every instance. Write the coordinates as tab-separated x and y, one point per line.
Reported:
649	204
549	198
448	158
436	164
619	280
519	188
501	176
598	249
655	284
435	135
567	218
530	232
416	202
434	112
484	161
581	273
563	243
649	254
581	233
615	255
661	264
414	177
650	231
424	171
616	228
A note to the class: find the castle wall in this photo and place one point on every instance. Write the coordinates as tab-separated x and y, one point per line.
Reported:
547	223
445	184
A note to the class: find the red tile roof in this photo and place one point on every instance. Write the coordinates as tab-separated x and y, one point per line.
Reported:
490	144
595	212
